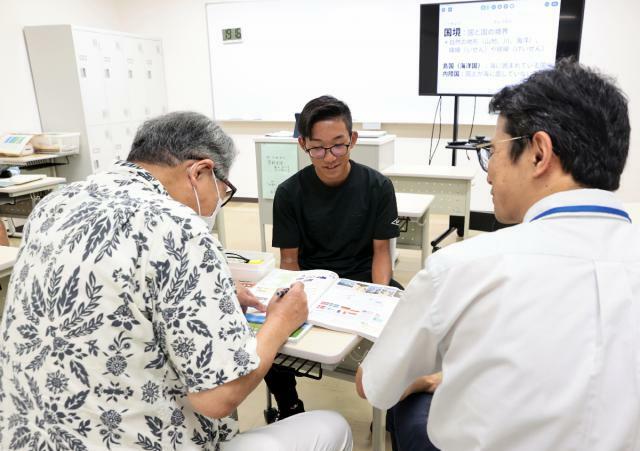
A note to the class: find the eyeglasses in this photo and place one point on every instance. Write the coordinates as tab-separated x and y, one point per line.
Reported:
230	191
485	151
337	150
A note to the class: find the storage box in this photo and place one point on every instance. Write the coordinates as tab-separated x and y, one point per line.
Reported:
258	266
56	142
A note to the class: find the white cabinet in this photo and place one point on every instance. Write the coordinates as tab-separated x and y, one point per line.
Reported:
101	83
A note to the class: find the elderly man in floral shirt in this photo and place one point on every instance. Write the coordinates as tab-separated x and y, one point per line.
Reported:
122	328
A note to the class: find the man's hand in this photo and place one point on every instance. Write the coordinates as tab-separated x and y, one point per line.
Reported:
427	384
291	310
248	299
432	381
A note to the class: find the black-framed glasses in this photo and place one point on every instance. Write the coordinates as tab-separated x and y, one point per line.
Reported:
229	192
337	150
485	151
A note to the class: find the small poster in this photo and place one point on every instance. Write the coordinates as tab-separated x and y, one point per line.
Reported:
278	163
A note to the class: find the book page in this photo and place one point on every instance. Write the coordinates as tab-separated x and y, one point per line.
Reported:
316	282
356	307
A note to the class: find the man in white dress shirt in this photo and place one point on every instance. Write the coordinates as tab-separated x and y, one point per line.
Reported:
536	328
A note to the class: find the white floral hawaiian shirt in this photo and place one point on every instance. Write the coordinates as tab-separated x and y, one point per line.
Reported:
120	302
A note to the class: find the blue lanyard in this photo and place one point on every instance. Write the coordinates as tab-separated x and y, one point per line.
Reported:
585	209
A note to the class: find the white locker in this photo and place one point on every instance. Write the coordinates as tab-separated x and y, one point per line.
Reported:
104	85
138	84
155	78
100	146
116	83
90	70
123	134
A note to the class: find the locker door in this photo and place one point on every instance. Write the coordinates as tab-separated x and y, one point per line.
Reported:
99	146
90	72
160	89
156	91
115	73
134	52
123	134
149	77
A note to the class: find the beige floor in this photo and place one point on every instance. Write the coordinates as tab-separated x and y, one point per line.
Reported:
242	230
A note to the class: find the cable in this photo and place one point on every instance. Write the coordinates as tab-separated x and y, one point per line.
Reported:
439	126
432	151
237	256
473	119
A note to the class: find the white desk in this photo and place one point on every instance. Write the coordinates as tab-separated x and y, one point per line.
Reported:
17	201
46	183
451	186
416	208
324	346
36	158
329	348
8	256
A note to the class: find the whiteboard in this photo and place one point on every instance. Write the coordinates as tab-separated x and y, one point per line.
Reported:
364	52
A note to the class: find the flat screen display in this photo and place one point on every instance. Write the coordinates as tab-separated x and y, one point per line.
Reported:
477	48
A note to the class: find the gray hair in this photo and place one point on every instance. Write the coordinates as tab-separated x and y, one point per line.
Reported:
183	135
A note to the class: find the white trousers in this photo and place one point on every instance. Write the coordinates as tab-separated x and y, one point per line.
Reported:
318	430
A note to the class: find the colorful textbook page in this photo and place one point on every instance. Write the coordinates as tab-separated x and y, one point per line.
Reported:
338	304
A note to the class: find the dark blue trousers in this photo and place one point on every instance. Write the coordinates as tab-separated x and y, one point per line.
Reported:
407	423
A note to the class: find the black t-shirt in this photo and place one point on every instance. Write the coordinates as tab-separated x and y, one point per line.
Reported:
334	227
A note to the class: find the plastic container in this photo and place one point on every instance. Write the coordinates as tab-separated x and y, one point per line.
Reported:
56	142
259	265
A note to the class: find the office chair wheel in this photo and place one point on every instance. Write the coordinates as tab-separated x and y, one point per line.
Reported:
270	415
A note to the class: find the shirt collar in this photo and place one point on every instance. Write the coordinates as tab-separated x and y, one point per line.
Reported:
586	196
139	174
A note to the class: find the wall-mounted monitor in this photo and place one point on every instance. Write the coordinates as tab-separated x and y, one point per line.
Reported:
476	48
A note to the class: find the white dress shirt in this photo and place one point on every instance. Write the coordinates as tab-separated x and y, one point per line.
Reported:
536	329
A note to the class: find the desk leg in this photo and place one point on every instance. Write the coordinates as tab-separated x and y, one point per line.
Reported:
378	430
467	210
263	244
426	244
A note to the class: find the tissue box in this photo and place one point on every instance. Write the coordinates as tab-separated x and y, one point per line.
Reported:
259	265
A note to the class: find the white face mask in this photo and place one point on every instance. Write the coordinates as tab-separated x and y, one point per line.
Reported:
209	220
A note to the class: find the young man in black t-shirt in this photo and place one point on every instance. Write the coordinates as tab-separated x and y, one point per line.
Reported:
335	214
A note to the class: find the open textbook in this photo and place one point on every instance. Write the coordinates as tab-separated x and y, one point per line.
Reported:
338	304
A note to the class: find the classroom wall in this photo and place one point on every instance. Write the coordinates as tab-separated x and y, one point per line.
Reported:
608	43
18	108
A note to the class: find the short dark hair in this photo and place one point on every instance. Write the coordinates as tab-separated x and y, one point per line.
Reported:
173	138
583	112
320	109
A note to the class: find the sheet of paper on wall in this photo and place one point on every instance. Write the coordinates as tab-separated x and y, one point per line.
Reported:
278	163
16	145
